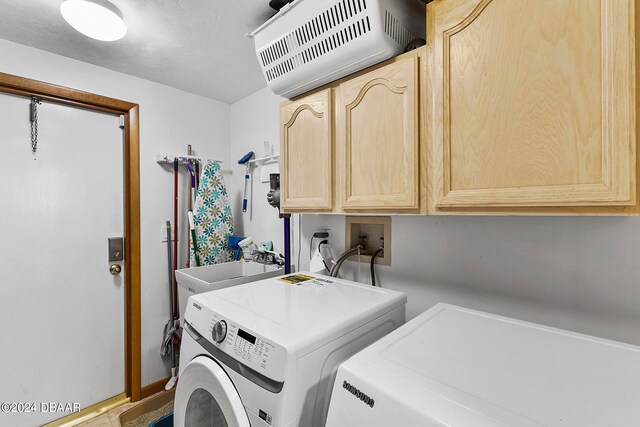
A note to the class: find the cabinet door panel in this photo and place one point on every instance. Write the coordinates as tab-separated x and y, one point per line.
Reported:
533	102
306	148
378	136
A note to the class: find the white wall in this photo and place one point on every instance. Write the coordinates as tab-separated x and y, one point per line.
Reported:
169	120
577	273
254	120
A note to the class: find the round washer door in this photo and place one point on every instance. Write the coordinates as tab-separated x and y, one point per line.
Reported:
206	397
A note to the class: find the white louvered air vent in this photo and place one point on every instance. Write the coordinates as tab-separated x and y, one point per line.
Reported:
312	42
394	29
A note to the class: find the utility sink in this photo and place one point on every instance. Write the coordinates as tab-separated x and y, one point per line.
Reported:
207	278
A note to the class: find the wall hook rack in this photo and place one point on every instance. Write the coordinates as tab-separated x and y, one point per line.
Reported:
264	159
166	158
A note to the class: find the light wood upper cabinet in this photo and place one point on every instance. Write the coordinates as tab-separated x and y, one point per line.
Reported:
377	135
513	107
530	103
307	153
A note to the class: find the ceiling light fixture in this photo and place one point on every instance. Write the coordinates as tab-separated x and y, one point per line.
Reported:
98	19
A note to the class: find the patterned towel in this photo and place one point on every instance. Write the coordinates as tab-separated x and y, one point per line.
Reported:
212	217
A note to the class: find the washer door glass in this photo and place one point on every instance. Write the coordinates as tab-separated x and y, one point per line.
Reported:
204	411
206	397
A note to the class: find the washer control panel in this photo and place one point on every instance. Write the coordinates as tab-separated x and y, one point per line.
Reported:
243	344
251	349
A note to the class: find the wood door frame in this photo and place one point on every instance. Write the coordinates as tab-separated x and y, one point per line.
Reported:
131	155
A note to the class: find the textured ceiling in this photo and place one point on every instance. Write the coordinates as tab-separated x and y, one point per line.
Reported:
199	46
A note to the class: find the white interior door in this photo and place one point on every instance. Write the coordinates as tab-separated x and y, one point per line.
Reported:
62	311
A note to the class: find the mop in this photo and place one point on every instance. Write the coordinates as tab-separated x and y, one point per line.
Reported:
173	333
172	328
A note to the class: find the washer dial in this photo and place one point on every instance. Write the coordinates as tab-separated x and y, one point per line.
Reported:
219	331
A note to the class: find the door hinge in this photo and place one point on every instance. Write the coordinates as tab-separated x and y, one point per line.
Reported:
121	121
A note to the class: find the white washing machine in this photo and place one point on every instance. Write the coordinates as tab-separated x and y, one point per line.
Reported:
456	367
265	353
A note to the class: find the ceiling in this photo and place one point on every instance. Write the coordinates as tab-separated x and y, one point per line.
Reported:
199	46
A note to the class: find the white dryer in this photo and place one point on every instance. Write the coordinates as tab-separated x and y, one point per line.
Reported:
266	353
456	367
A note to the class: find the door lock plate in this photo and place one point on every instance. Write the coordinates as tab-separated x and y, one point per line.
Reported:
116	249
